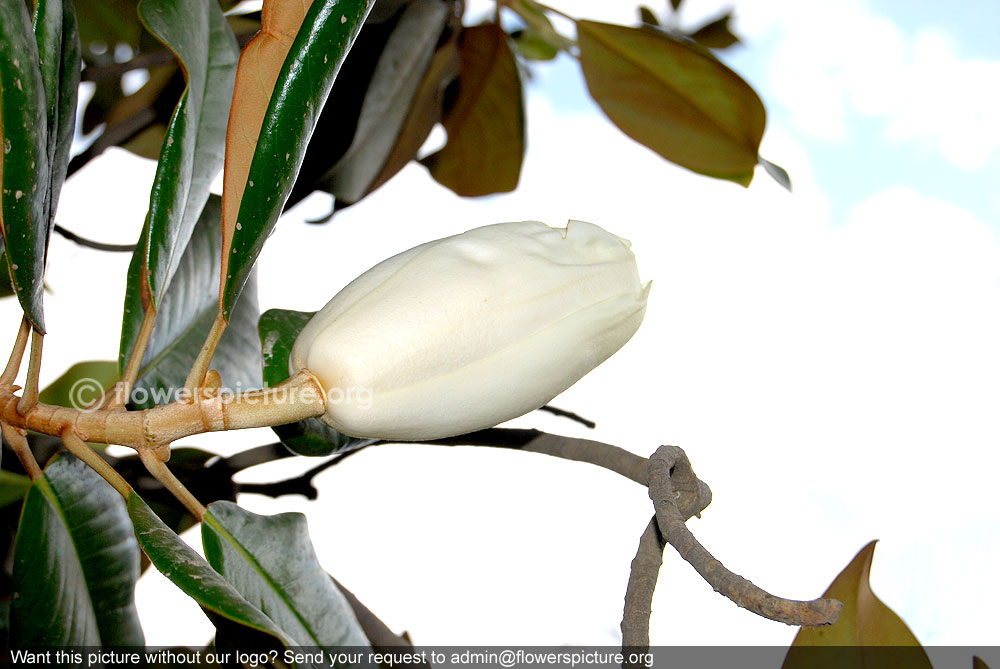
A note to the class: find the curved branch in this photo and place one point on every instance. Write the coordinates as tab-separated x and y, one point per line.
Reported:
674	505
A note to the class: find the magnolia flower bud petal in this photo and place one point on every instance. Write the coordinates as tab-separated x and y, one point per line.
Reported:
466	332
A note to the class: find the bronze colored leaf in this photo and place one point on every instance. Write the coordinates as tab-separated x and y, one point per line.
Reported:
646	15
485	125
674	97
865	622
716	33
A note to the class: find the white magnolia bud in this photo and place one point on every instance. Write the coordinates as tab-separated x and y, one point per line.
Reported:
466	332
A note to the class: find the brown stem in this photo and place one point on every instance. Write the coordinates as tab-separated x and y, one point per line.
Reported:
639	593
196	377
19	444
162	473
30	396
83	451
671	511
299	397
17	354
123	388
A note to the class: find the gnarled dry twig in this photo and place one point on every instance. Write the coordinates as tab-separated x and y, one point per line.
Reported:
669	464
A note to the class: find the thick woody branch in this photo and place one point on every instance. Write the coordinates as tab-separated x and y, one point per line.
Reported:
673	505
639	593
155	429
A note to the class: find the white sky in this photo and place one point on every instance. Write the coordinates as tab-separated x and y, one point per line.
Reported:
828	359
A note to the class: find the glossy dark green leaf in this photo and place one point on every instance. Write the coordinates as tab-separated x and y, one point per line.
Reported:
864	622
397	77
185	316
195	577
716	33
6	288
24	164
647	15
270	560
485	126
674	97
278	330
76	563
319	48
59	59
81	384
192	154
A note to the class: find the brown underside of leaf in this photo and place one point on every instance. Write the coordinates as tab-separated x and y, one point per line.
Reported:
260	64
485	125
674	97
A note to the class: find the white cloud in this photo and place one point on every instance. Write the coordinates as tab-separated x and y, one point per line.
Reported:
836	62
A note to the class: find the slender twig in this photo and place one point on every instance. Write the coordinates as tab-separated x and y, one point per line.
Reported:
81	450
297	485
17	354
670	519
19	444
252	457
196	377
141	61
162	473
562	413
29	398
90	244
639	594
